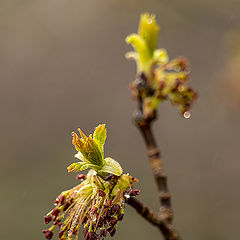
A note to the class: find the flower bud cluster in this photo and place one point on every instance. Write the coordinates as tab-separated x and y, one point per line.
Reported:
158	79
165	82
96	204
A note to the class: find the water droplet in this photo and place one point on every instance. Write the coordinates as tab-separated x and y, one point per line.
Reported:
126	196
149	21
187	114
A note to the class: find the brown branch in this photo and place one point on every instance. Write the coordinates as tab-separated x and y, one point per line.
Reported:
144	124
160	176
148	214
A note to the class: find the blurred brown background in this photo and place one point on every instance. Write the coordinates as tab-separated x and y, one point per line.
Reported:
62	67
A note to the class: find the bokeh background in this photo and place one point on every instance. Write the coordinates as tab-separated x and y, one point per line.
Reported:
62	66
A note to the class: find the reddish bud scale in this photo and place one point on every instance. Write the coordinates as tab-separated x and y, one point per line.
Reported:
55	212
108	203
103	233
60	234
120	217
48	234
84	220
67	205
61	199
111	231
81	177
87	236
134	193
47	219
94	210
101	193
113	222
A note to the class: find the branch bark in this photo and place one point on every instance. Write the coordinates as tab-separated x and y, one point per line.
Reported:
148	214
164	219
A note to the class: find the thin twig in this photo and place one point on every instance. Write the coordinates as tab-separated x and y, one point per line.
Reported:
144	124
148	214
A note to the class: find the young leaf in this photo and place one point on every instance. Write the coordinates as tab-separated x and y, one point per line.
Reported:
148	30
111	166
78	166
100	135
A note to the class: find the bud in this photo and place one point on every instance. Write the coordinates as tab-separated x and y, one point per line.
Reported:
120	217
47	219
48	234
101	193
81	177
112	231
134	193
55	212
103	233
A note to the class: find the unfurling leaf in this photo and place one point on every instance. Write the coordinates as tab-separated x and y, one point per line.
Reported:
100	135
77	167
91	153
111	166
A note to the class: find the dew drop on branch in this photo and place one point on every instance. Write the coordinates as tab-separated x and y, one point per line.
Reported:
187	114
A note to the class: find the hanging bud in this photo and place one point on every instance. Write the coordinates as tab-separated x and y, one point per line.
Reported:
81	177
48	234
47	219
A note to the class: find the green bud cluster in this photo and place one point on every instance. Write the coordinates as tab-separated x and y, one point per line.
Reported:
158	79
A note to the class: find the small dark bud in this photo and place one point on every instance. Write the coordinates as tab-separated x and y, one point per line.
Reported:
85	231
94	210
61	199
111	231
84	220
117	208
60	234
101	193
113	222
90	236
100	222
103	233
67	205
48	234
108	203
81	176
87	236
134	193
120	217
161	85
47	219
55	212
135	179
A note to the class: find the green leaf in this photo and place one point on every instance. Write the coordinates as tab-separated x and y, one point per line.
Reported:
100	135
111	166
78	166
148	30
80	156
140	46
89	149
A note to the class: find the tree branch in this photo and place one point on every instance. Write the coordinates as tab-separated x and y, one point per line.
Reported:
148	214
144	124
